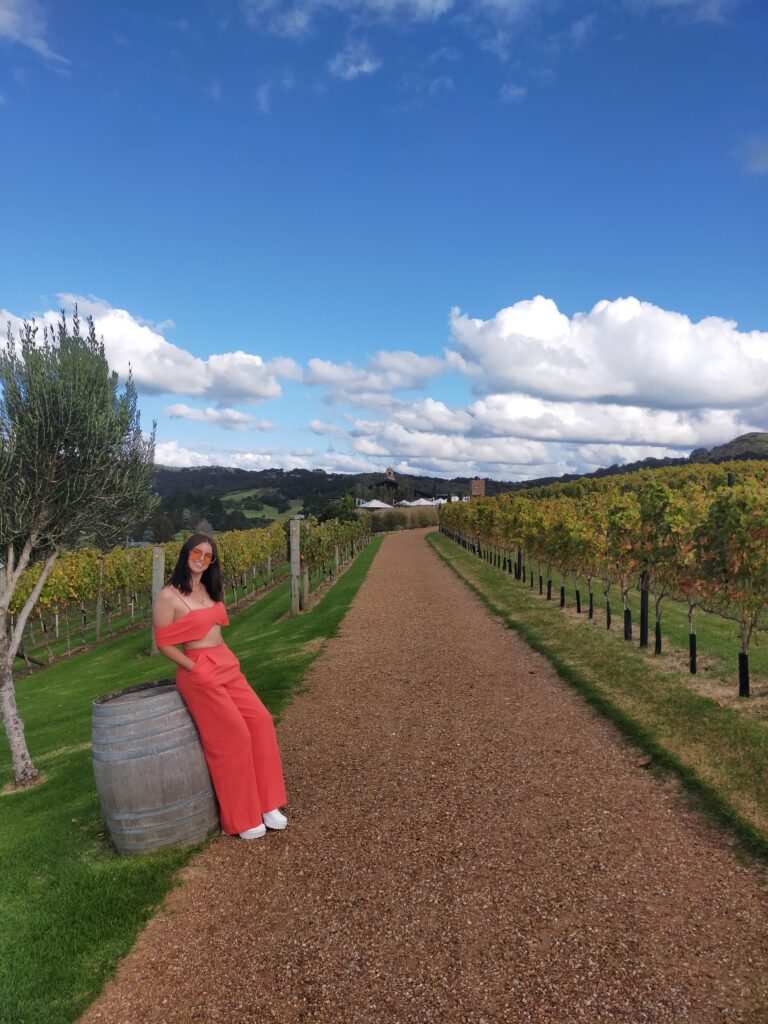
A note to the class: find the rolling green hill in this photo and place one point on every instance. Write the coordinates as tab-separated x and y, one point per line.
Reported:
746	446
234	499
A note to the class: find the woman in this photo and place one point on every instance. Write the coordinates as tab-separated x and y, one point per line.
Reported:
236	730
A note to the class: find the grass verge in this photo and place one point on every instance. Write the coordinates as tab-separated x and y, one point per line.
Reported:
70	908
720	755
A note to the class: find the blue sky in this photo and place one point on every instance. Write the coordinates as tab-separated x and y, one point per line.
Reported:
511	238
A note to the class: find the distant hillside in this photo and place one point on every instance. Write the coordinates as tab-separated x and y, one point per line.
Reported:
231	499
746	446
216	481
219	498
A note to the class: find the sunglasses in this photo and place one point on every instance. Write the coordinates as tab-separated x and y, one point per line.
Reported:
203	556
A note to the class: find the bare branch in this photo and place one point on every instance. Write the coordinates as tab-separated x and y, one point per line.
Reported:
15	573
29	604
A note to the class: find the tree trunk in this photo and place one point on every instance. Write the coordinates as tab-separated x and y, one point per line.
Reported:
24	772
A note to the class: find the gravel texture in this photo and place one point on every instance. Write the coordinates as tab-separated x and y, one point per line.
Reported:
467	843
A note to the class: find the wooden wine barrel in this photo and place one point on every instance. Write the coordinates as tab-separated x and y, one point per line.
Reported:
150	771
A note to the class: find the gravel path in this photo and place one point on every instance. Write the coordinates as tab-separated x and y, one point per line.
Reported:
467	843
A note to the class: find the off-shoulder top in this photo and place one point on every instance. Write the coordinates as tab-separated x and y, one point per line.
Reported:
192	626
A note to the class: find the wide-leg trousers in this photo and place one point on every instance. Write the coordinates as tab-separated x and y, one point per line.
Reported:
237	735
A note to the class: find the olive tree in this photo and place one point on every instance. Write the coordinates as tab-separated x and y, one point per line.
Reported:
74	468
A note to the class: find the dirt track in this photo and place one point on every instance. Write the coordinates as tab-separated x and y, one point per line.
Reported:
467	843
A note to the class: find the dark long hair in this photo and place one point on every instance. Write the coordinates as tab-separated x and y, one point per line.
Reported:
211	578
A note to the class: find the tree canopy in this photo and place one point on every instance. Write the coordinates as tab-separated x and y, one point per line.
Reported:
75	468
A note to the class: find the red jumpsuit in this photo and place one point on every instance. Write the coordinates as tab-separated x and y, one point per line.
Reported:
236	730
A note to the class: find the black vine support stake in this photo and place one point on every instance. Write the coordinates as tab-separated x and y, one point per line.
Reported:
644	610
743	674
562	597
578	602
627	624
549	590
531	581
692	653
657	645
607	615
523	574
591	605
541	585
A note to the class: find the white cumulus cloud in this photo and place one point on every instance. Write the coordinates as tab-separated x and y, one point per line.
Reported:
229	419
160	367
393	440
623	351
24	22
175	453
530	417
354	60
320	427
372	386
512	93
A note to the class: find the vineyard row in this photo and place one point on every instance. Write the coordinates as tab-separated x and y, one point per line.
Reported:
696	533
87	586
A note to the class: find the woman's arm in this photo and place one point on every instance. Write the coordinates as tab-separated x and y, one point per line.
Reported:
162	615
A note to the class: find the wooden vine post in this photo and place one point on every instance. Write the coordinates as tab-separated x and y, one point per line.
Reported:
295	543
100	600
158	582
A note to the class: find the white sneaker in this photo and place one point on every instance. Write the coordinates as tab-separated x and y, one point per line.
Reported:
254	833
275	819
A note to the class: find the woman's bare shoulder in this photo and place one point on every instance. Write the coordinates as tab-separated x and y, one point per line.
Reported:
169	596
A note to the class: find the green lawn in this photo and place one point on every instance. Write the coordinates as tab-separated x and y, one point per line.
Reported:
717	637
267	512
720	753
70	908
115	621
